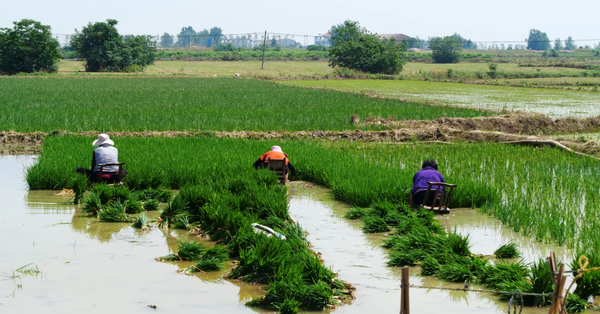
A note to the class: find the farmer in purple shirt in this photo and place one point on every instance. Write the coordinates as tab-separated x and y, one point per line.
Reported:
428	173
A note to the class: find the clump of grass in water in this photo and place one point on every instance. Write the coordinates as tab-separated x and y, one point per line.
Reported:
114	212
158	195
355	213
541	282
79	184
142	222
575	304
151	205
213	259
508	250
92	204
373	224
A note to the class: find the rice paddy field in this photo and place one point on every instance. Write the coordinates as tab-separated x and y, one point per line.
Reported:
543	192
551	102
192	104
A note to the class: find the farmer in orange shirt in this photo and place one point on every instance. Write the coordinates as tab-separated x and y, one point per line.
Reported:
275	153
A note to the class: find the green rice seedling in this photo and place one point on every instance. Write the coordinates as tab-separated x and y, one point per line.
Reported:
514	285
429	266
92	204
508	250
355	213
150	205
589	283
182	222
373	224
575	304
394	218
458	244
408	258
208	264
174	208
190	250
142	221
288	306
493	276
158	195
340	284
477	264
114	212
133	205
541	282
455	272
79	184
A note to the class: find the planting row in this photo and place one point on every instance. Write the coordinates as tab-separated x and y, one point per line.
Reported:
137	104
544	192
225	208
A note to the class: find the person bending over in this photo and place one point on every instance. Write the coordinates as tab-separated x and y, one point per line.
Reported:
106	153
429	172
275	153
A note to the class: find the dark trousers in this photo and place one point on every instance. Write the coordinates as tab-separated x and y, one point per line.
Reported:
419	198
93	176
260	164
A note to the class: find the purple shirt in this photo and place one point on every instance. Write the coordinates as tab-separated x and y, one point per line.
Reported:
422	176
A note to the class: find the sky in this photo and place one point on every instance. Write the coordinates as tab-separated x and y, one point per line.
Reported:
487	21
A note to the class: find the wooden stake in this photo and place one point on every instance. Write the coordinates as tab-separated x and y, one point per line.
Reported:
404	297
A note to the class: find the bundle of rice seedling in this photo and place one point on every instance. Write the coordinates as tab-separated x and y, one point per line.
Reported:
429	266
114	212
288	306
458	244
159	195
373	224
213	259
79	184
355	213
142	222
575	304
455	272
508	250
92	204
541	281
151	205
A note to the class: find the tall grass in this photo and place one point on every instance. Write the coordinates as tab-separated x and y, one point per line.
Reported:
191	104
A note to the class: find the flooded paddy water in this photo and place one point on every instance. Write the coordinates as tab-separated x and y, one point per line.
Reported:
75	264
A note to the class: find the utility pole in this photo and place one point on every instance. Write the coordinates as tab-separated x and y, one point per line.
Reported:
264	47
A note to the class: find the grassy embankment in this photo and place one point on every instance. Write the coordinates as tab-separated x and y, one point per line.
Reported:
192	104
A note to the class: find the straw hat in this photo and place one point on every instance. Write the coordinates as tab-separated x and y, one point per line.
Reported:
103	139
275	148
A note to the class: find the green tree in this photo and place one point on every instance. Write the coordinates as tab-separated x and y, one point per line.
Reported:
537	40
28	47
216	34
105	50
570	44
466	43
355	48
186	37
166	40
446	49
558	44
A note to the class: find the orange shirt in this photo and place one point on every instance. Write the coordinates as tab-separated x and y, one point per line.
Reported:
274	155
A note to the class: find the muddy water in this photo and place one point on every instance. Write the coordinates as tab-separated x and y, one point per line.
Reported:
91	267
359	259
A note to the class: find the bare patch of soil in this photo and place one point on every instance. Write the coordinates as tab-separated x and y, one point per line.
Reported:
517	123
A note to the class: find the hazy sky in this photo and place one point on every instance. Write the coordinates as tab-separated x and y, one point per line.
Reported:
508	20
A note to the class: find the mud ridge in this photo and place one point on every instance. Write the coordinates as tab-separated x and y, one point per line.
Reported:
516	123
418	131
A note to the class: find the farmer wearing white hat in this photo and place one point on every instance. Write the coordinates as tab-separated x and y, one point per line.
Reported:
106	153
275	153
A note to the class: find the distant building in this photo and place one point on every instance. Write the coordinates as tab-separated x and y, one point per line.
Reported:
324	40
286	42
398	37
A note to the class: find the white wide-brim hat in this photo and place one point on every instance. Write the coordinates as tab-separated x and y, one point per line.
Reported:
275	148
103	139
